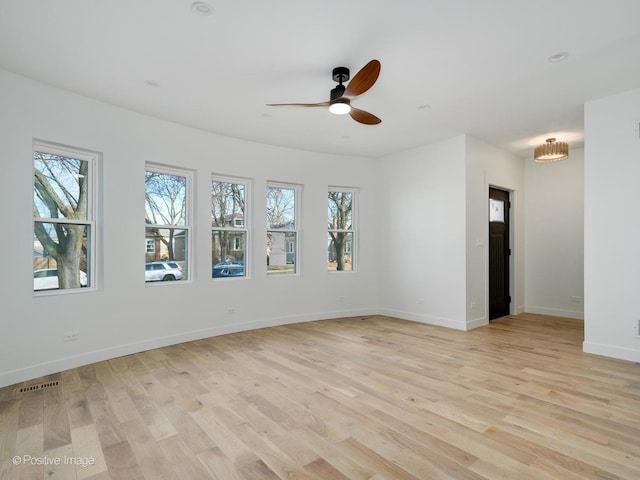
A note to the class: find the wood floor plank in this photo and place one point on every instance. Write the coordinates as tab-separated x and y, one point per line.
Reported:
63	468
218	465
87	452
324	470
384	467
214	420
9	416
183	461
121	462
29	442
149	456
191	433
333	453
57	432
363	398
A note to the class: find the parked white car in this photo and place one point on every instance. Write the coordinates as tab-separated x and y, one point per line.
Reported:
47	279
162	272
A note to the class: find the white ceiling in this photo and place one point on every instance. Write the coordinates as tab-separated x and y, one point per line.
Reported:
480	66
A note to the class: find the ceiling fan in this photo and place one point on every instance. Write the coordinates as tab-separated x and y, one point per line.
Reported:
339	102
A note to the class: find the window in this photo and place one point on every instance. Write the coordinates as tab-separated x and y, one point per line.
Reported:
167	222
341	235
229	227
64	225
282	228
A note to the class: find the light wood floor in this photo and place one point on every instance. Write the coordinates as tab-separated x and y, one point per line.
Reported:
360	398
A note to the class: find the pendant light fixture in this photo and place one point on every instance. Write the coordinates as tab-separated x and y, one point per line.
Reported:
551	151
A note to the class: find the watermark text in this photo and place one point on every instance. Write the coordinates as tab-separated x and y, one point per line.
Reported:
53	461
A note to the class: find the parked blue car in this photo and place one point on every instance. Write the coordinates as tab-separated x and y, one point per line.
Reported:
228	269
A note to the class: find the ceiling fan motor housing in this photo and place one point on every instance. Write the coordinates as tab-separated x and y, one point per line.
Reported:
340	74
337	92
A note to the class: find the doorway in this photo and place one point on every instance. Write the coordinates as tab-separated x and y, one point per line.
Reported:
499	253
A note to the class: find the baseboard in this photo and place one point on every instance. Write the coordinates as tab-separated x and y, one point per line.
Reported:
555	312
478	322
12	377
612	351
428	319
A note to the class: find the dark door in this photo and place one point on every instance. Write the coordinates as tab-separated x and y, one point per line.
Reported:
499	251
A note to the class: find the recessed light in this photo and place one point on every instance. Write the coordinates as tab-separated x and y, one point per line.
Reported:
558	57
201	8
151	83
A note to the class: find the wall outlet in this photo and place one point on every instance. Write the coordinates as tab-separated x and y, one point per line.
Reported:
420	301
231	310
69	336
341	299
576	298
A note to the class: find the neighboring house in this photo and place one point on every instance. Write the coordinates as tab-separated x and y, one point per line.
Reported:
156	249
228	244
276	248
281	248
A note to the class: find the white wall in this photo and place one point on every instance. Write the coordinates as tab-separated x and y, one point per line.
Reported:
490	166
124	315
434	211
421	225
554	264
612	226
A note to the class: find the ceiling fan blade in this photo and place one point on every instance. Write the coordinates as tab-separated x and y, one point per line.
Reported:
364	79
364	117
321	104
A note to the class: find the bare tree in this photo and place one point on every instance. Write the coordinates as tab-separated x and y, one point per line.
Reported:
165	204
339	219
61	191
280	216
227	205
280	207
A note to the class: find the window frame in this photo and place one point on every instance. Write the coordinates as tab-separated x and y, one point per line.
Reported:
90	223
244	228
297	230
188	226
351	246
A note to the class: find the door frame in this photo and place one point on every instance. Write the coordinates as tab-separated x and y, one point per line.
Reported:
512	243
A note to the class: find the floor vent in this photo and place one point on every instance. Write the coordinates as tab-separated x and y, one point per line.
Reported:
37	386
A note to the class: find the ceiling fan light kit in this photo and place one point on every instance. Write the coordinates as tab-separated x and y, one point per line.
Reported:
341	106
339	102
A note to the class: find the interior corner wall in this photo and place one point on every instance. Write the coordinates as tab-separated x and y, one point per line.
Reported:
487	165
123	315
421	224
612	226
554	263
